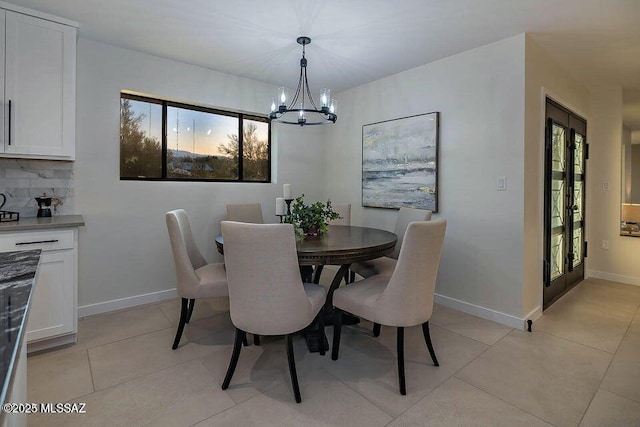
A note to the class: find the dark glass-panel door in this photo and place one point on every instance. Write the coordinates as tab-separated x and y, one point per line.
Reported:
565	155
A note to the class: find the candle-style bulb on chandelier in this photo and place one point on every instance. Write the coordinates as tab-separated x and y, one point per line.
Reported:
302	109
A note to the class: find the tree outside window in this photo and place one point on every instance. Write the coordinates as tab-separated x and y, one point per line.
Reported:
198	143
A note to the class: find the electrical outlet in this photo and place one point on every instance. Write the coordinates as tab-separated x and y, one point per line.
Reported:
501	183
605	245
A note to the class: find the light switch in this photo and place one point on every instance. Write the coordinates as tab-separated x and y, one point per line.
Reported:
605	186
501	183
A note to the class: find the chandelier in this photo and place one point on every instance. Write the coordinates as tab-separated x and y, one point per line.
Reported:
299	111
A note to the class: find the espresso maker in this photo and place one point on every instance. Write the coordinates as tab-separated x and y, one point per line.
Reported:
44	205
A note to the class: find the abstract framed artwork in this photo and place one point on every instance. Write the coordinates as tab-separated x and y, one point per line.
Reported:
400	163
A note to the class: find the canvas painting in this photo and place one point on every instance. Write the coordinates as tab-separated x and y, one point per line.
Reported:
399	163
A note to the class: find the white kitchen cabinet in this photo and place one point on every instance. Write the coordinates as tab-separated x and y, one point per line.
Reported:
39	74
53	316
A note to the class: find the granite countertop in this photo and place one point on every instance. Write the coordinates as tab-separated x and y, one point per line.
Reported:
18	271
60	221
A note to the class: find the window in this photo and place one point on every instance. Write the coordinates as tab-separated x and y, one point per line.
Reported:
164	140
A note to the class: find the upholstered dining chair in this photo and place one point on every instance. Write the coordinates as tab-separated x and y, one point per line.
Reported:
245	212
385	265
344	210
195	277
403	299
266	293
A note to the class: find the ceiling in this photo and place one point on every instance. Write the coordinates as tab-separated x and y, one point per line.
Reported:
357	41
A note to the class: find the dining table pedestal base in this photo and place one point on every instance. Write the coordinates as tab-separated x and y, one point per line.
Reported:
312	332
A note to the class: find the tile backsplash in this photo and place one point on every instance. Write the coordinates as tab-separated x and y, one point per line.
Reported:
22	180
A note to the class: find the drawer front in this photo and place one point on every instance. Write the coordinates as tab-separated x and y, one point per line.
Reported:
45	240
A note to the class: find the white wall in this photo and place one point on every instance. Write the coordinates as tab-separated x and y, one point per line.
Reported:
480	97
124	248
620	261
493	249
544	77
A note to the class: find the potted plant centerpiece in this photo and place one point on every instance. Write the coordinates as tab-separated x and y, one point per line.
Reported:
311	219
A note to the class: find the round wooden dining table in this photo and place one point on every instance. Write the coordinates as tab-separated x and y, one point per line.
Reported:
342	245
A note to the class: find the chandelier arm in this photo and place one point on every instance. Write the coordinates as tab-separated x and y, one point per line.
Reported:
294	101
306	86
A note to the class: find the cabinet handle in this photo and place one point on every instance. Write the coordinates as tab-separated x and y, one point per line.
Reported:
36	242
9	138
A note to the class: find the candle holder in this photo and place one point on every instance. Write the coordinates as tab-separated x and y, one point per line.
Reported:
288	202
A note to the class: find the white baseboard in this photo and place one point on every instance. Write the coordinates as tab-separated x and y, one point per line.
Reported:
486	313
629	280
36	346
118	304
534	314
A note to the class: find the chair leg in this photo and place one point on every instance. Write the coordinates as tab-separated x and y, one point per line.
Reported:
337	326
235	355
292	368
427	339
256	339
376	330
192	303
245	342
318	272
184	311
403	388
323	337
352	276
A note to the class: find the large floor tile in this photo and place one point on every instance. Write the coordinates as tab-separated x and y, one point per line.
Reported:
456	403
178	396
58	377
203	308
608	409
108	328
470	326
623	376
606	292
325	402
369	365
587	317
215	330
121	361
259	368
549	377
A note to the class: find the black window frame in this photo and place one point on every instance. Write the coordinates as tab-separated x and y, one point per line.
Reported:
240	116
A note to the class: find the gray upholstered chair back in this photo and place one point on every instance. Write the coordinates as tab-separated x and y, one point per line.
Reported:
266	294
245	212
405	216
344	210
408	297
186	255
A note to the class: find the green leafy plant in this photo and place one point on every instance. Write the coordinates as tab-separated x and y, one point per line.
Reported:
311	218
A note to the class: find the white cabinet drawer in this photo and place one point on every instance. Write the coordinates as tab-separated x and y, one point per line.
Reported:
45	240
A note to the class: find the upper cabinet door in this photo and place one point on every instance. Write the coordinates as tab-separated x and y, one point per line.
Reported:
40	77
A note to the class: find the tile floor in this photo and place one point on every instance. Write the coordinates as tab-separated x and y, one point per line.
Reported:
580	366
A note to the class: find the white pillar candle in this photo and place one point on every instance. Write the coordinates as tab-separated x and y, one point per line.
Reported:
280	206
286	189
